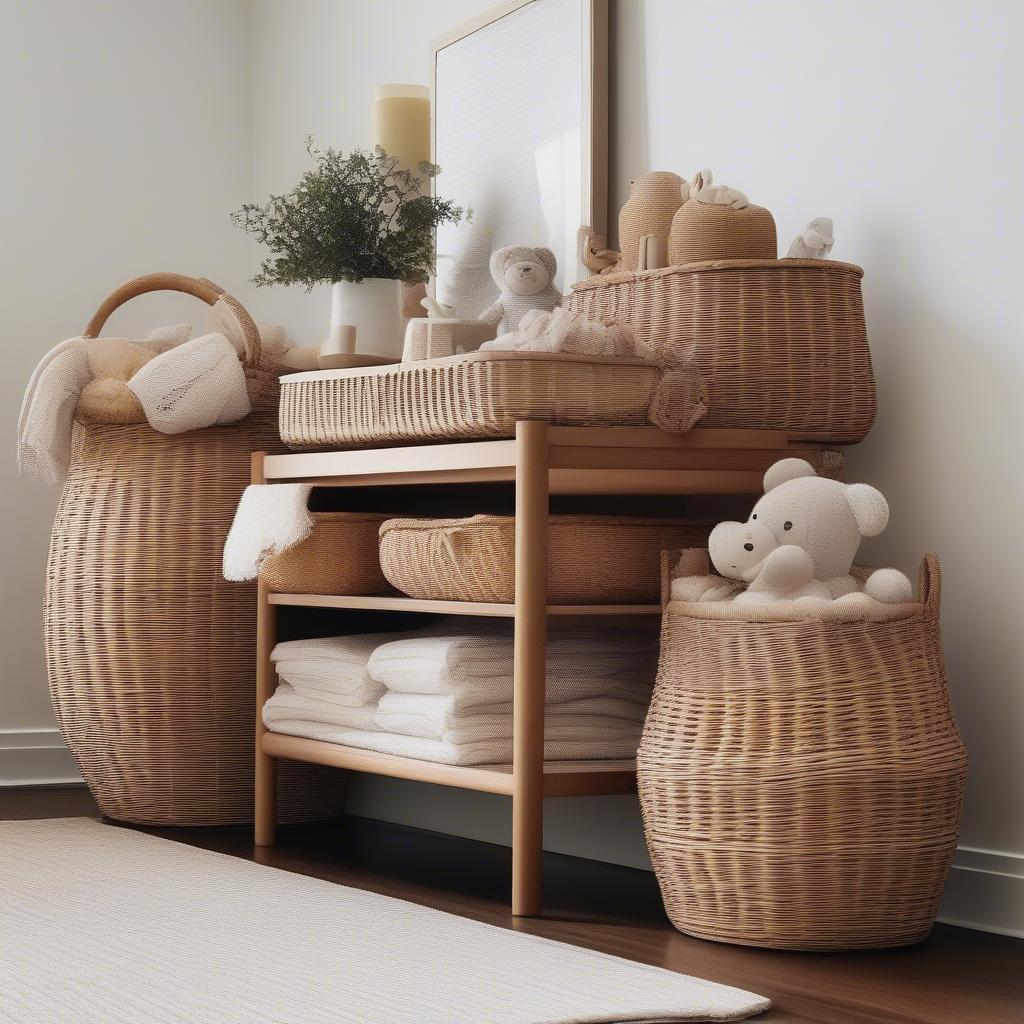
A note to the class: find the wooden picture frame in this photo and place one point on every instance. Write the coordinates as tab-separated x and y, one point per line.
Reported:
492	77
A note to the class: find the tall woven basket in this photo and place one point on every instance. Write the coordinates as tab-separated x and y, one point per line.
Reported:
801	778
150	653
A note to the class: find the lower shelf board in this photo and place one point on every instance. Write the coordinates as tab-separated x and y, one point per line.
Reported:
561	778
488	609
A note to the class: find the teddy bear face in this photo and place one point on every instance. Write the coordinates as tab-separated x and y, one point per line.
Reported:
825	518
521	270
526	277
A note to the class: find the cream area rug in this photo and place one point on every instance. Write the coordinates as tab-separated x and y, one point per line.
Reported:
102	925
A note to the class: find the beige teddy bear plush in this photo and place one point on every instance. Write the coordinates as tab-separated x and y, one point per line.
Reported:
524	277
798	544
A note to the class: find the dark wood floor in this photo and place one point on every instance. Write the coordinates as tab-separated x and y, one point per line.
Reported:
956	977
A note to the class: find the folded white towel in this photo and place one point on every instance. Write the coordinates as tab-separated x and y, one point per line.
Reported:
270	518
286	704
439	717
347	693
479	753
191	386
478	669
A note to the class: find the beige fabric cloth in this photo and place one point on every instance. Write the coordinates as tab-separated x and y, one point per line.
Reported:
191	386
48	411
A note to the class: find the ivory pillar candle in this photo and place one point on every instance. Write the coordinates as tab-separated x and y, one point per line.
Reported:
401	123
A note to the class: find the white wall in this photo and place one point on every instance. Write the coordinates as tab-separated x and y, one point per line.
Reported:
898	119
126	144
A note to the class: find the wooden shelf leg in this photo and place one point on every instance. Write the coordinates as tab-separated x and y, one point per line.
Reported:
265	811
529	668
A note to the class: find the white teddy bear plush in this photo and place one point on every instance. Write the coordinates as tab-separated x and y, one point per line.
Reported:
524	277
798	545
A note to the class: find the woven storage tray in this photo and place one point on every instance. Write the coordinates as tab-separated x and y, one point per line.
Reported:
801	776
478	395
781	344
340	556
591	559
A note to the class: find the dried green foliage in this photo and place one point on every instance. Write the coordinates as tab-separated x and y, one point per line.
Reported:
349	217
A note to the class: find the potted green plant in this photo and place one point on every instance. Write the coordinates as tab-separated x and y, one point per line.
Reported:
359	223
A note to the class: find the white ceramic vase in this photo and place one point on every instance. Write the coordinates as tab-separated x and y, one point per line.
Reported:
373	307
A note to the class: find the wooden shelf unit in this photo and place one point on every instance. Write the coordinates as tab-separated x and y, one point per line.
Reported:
541	461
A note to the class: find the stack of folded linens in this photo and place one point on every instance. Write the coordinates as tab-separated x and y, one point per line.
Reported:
324	682
448	698
444	694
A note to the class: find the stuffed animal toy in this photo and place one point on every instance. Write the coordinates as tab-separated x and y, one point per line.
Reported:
703	191
814	242
524	277
799	544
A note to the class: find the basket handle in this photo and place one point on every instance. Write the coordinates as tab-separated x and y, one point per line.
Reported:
209	292
929	582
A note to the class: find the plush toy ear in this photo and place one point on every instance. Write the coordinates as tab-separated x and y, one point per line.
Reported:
786	469
870	509
699	180
547	258
497	264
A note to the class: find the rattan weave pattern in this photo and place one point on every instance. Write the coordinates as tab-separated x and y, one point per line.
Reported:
801	778
591	559
707	231
477	395
149	650
340	556
781	344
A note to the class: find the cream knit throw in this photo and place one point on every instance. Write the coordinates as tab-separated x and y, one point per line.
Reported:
270	518
195	385
48	411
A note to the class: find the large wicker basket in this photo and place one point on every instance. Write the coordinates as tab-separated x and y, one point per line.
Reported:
149	650
340	556
781	344
801	778
591	559
476	395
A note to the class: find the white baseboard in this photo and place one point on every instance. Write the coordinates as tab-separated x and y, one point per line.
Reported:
985	890
35	757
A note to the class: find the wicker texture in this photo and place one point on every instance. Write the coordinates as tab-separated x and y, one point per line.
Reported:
591	559
480	395
340	556
781	344
149	650
653	200
801	778
707	231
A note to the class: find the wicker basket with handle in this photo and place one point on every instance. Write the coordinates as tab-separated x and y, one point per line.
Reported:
781	344
591	559
801	777
149	650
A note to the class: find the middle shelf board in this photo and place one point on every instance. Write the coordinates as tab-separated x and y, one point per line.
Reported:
491	610
561	778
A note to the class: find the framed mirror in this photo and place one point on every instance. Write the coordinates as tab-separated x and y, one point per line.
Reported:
520	131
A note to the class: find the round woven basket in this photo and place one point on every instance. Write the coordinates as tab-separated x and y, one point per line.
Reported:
780	344
340	556
801	778
149	650
591	559
708	231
